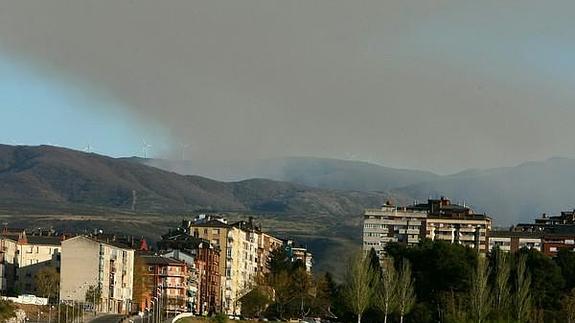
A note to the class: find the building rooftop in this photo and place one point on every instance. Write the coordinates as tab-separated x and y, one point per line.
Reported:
159	260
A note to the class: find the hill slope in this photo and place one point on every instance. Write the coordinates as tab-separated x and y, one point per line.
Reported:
58	179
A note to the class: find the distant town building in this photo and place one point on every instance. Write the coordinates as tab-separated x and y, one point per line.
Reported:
547	234
438	219
299	253
87	262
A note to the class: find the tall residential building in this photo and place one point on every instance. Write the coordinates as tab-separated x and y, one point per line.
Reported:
239	257
438	219
204	270
392	224
107	265
266	245
455	223
168	283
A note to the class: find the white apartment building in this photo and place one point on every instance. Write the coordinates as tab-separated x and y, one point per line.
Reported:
437	219
24	256
391	224
87	262
469	230
510	241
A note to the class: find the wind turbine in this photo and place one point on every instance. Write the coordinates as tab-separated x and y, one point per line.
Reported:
89	148
184	148
145	148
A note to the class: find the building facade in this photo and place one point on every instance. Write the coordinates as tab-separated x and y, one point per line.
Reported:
240	248
168	283
392	224
87	262
204	287
438	219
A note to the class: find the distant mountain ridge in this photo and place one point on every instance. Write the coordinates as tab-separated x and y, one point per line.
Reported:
53	179
309	171
508	194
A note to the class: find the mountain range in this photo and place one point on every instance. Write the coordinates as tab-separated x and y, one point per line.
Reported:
508	194
52	179
315	200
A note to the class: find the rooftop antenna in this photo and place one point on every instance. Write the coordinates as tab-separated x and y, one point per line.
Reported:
145	148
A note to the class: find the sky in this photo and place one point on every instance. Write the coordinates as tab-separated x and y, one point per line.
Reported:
438	85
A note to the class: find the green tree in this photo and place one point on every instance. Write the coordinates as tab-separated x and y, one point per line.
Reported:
281	283
546	279
480	293
47	281
303	291
405	291
566	261
7	310
501	288
358	289
522	297
255	302
568	304
386	295
438	266
374	262
325	292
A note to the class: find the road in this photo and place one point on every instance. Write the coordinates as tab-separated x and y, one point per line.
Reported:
113	318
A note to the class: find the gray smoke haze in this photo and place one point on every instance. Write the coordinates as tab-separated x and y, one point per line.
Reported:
440	85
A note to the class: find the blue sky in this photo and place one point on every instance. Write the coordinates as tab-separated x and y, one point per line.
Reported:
40	108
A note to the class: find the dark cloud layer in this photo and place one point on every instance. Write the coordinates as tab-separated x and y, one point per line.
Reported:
440	85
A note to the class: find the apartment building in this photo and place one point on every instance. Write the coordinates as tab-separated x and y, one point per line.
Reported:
25	255
2	274
392	224
299	253
266	245
168	284
203	267
107	265
511	241
238	261
455	223
548	234
437	219
9	239
34	254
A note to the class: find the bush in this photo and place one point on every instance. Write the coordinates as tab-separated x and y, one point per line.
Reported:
220	318
7	310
